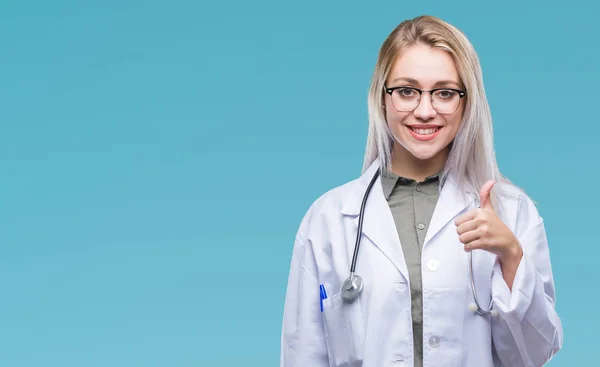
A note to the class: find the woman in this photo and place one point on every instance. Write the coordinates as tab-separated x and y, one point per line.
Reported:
437	198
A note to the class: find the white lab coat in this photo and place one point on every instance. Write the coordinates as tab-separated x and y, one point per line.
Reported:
376	329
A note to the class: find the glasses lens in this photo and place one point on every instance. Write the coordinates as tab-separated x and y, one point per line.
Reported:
445	100
405	99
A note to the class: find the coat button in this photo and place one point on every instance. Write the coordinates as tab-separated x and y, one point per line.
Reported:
433	265
398	358
434	341
421	226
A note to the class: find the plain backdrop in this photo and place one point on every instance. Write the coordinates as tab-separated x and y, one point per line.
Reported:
156	158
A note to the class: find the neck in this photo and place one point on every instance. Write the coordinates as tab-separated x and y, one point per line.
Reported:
407	165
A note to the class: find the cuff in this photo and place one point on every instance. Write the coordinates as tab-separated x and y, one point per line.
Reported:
514	304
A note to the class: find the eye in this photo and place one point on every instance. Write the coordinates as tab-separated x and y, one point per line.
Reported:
446	93
406	92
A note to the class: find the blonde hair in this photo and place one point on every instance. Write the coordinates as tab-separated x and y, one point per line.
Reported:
472	160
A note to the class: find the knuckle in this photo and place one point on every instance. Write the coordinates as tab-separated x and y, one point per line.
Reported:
485	229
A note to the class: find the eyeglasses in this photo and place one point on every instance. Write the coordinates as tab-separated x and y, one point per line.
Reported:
443	100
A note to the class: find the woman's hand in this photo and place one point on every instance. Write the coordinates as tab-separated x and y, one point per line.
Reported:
482	229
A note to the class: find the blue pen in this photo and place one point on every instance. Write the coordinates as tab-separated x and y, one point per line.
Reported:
323	295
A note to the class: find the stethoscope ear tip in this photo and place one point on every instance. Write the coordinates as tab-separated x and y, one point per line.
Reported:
473	307
494	313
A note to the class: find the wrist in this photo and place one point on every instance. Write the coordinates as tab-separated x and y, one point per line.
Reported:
512	257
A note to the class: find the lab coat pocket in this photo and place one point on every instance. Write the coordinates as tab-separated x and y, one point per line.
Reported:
344	331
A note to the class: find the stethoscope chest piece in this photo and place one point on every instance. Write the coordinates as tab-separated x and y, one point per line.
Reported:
352	287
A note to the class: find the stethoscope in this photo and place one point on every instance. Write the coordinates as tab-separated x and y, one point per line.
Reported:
353	285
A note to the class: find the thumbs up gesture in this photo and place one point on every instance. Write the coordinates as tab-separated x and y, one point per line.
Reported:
482	229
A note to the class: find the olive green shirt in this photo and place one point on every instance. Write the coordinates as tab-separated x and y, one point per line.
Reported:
412	204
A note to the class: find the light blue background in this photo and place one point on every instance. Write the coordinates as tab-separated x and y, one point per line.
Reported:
156	158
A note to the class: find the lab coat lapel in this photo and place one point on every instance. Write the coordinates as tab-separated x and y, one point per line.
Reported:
451	202
378	223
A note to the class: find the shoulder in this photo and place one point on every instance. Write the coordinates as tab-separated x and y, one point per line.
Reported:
326	205
515	206
511	193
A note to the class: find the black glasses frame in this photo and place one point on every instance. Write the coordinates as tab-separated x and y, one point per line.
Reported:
461	93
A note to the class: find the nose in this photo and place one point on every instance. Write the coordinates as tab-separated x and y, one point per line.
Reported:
425	110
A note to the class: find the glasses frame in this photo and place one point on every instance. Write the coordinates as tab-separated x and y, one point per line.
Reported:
461	94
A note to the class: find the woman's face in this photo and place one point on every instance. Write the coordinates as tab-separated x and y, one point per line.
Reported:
423	132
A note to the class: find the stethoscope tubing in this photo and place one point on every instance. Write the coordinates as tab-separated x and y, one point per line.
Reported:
353	277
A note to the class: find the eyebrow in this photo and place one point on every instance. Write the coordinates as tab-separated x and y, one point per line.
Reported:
439	83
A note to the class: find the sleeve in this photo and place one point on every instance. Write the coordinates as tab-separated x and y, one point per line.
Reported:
303	338
527	330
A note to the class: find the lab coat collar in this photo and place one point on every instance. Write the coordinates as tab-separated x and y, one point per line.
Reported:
378	222
452	202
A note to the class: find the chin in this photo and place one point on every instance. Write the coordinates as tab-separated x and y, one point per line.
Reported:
424	154
421	151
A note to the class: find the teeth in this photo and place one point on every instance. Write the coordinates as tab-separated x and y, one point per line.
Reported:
425	131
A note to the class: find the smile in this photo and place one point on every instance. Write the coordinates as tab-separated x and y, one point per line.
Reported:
425	131
424	134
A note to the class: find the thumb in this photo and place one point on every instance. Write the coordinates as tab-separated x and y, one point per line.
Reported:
484	196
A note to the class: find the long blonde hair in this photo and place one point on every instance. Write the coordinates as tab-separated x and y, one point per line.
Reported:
472	160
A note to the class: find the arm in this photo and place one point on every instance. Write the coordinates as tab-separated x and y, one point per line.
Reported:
303	339
527	331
